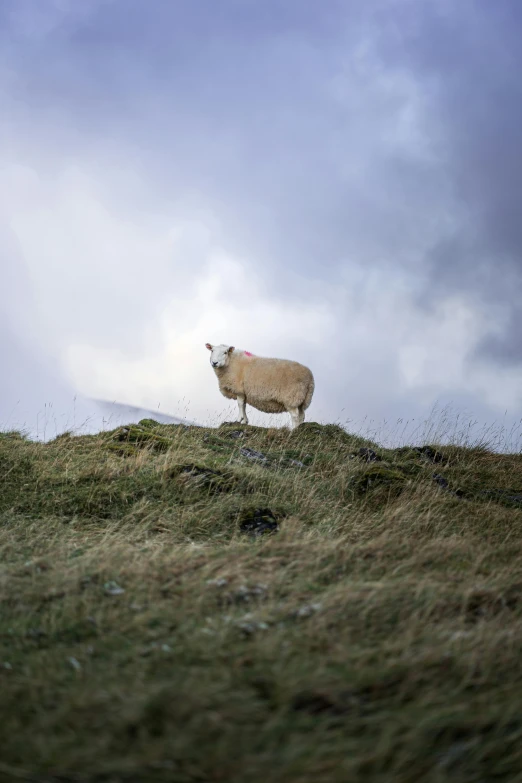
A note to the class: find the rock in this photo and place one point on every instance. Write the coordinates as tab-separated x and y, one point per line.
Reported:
246	594
430	454
259	522
112	588
249	627
222	582
368	454
444	483
75	663
251	454
295	463
509	497
306	611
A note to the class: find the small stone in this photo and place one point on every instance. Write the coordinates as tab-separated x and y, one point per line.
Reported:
75	663
252	454
444	483
258	522
245	593
218	582
369	455
112	588
430	454
307	610
249	628
7	665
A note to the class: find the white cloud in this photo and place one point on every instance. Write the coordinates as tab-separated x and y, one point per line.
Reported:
128	317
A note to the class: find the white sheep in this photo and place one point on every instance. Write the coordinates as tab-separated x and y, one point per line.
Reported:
270	385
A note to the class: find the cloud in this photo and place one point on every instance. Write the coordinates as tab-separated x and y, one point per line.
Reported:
332	182
470	57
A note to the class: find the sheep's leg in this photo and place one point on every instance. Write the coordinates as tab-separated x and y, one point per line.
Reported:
241	404
301	416
294	415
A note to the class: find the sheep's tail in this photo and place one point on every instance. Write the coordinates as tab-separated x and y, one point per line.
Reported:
309	394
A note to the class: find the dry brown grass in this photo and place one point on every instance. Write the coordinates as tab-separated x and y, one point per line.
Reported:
375	636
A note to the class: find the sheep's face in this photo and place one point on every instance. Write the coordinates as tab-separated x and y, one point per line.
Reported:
219	355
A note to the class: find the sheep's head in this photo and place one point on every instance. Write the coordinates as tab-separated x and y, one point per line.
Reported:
219	355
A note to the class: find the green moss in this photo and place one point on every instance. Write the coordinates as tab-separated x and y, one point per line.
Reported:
142	437
377	476
148	423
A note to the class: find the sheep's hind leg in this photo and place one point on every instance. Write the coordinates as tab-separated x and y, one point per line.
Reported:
241	404
301	417
295	417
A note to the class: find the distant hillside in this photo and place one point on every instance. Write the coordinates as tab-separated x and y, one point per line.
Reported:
119	413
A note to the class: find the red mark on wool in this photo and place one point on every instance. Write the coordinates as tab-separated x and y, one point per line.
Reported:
247	353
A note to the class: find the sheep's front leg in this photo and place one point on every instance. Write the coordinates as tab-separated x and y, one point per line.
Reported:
241	404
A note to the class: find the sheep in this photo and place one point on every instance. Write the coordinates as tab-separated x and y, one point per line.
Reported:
270	385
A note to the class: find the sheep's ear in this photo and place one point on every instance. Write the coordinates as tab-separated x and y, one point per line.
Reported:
231	349
208	346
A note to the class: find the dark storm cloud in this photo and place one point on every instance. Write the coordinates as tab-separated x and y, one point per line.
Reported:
267	106
469	56
237	100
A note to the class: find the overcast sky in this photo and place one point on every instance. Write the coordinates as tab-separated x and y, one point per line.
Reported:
338	182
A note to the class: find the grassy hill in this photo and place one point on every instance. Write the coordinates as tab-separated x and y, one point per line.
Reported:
245	604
